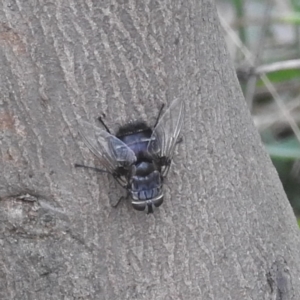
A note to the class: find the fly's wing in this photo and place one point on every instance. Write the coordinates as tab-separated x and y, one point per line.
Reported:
111	151
165	134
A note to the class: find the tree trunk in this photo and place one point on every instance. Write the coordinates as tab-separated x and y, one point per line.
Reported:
225	230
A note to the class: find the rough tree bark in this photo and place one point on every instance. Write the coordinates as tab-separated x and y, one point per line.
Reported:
225	230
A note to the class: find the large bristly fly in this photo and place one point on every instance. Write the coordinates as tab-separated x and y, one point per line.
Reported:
138	156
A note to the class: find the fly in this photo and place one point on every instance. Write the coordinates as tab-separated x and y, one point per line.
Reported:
137	156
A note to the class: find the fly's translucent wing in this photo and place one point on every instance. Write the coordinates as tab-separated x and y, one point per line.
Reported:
165	134
111	151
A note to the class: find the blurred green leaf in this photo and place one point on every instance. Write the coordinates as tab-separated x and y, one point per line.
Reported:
239	10
295	5
283	155
287	149
282	75
291	18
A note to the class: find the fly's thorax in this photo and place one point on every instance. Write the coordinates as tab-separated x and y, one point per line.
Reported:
136	136
145	169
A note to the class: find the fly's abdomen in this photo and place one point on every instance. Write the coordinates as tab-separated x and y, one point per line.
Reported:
146	194
146	187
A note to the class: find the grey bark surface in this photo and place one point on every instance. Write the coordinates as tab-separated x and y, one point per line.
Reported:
225	230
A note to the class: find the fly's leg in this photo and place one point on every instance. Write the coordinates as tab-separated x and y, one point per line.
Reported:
92	168
167	162
159	115
102	122
119	201
167	168
117	178
179	140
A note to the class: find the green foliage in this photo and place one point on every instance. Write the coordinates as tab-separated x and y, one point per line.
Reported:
281	76
284	153
239	10
250	21
292	18
285	150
